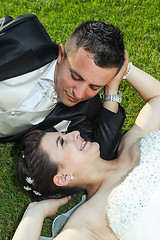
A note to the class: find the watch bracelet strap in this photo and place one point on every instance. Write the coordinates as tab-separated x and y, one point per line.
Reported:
113	98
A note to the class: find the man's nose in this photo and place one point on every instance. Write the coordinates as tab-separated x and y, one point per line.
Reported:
80	91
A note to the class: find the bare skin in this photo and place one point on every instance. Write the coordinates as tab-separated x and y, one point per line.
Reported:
90	221
99	177
78	78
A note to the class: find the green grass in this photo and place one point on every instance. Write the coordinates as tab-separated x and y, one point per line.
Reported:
139	21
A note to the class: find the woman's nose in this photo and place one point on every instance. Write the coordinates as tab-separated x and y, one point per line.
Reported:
73	135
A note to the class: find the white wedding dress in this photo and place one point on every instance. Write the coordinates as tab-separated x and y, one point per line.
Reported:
134	206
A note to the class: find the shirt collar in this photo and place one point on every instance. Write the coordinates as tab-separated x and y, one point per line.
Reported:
49	73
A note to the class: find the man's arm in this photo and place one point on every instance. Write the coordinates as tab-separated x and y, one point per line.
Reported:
111	118
107	132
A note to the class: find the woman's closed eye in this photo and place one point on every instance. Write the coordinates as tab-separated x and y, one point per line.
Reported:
61	141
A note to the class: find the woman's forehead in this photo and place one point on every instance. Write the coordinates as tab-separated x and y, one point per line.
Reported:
49	140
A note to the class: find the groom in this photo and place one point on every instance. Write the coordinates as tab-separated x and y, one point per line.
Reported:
55	88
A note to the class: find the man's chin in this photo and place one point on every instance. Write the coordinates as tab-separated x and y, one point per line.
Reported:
69	103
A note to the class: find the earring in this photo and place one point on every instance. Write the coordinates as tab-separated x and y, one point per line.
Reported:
71	177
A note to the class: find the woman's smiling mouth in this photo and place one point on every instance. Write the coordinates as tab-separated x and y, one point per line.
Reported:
84	143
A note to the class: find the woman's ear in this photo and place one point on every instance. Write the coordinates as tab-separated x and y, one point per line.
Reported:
61	53
61	180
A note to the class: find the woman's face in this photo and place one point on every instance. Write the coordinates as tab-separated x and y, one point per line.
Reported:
70	151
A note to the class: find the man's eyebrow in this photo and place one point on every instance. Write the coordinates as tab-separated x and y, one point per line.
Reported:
98	86
57	141
82	79
76	73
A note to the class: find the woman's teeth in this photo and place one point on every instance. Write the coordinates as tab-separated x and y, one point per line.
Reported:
83	145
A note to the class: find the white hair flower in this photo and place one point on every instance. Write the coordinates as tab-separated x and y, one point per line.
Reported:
27	188
29	180
23	155
37	193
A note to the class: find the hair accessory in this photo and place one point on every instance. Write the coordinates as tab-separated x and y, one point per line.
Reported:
71	177
29	180
128	70
37	193
23	155
27	188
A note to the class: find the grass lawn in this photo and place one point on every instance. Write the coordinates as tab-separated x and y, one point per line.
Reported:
139	21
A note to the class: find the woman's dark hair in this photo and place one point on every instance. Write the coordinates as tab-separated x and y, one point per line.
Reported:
36	170
104	41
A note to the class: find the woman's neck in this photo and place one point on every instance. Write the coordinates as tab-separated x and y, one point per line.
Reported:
100	176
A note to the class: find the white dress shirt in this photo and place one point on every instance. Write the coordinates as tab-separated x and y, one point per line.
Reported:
40	89
27	99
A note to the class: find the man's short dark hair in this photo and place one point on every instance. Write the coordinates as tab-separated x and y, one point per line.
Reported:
102	40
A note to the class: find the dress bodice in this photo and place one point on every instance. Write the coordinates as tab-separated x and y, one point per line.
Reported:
128	201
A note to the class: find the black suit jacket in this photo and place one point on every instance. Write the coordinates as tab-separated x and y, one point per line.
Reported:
26	46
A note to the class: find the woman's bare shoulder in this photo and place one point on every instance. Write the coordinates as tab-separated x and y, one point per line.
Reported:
89	219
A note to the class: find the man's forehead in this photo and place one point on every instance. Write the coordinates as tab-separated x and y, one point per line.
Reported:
80	78
82	64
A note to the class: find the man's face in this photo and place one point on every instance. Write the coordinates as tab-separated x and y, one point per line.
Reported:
78	78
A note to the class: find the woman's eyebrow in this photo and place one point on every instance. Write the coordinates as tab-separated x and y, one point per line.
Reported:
57	141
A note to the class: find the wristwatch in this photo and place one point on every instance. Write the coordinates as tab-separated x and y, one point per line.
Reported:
113	98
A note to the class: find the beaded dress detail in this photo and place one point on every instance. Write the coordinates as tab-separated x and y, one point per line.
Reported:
128	201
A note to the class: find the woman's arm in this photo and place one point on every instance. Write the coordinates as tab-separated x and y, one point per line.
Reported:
149	90
146	85
31	223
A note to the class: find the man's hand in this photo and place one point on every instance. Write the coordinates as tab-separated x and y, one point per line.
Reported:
113	85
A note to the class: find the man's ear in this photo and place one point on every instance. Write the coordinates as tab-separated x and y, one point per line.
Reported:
61	53
61	180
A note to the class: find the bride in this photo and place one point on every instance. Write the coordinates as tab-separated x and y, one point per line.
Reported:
123	195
